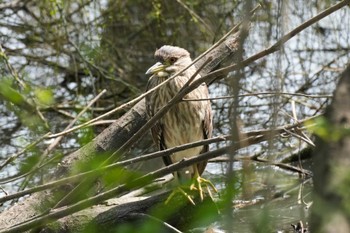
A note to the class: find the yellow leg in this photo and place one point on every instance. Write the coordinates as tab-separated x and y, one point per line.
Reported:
197	184
181	191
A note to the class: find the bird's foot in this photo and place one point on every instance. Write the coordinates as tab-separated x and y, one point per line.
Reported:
180	190
195	189
199	182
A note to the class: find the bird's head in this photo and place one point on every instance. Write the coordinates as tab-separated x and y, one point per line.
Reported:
171	59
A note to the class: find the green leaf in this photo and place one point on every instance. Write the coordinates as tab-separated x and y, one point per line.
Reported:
44	96
10	94
328	132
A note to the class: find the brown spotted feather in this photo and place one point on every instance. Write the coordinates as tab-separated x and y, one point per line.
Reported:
185	122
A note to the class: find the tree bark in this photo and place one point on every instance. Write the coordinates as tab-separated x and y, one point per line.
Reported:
331	207
107	141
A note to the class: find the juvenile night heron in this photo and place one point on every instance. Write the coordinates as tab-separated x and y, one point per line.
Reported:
187	121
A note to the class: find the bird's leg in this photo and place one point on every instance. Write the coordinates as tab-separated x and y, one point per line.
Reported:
181	191
197	184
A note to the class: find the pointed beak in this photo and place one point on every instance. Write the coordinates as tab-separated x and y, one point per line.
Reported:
156	68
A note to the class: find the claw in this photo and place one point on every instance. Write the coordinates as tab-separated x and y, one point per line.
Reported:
197	185
179	190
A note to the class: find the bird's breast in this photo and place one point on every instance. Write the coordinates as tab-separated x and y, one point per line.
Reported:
183	122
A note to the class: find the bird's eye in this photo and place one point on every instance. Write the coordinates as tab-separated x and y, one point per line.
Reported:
173	60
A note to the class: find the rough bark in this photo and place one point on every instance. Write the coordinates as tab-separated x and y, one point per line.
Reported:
108	141
331	208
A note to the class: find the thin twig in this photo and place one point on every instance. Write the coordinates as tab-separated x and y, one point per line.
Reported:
58	139
197	17
221	72
137	99
12	70
251	138
50	148
11	158
218	74
169	227
136	183
261	93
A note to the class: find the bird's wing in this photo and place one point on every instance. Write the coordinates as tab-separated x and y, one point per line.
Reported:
158	138
207	126
157	129
207	122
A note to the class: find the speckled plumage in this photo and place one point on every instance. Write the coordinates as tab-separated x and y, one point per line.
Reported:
185	122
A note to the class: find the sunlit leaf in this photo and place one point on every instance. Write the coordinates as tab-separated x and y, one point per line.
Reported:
29	162
321	127
10	94
44	96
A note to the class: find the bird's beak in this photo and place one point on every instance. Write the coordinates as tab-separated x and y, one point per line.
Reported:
156	68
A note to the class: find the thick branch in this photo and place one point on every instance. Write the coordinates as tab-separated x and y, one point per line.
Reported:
109	140
115	136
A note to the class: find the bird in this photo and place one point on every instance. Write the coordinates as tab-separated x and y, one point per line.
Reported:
187	121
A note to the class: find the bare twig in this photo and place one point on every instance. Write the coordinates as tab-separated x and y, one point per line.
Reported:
141	181
251	138
275	47
262	93
58	139
91	102
221	72
49	149
11	69
137	99
28	147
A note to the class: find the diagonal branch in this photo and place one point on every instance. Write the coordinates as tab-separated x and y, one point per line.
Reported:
250	138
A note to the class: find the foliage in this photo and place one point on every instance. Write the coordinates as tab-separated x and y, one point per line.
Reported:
56	56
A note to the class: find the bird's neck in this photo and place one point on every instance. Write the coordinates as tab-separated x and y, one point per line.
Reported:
177	81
